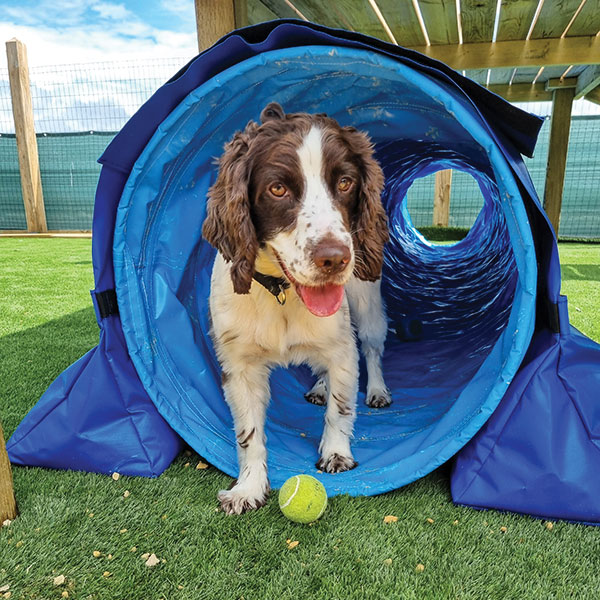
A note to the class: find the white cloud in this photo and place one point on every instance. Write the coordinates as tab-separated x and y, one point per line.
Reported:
72	31
182	8
135	58
47	46
60	13
109	10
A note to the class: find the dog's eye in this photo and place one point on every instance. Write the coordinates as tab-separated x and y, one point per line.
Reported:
278	190
344	184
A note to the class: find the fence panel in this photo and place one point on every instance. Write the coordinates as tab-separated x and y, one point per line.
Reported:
580	216
78	109
69	167
12	210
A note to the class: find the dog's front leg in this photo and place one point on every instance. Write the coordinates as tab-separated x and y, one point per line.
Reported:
335	450
247	393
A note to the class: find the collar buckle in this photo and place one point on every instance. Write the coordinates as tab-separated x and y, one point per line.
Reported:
281	297
273	285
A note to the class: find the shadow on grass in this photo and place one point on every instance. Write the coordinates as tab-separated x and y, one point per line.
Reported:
31	359
579	272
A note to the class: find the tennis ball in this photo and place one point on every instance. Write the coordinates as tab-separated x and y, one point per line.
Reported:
302	499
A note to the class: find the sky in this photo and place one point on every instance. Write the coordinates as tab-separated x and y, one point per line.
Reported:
76	31
63	36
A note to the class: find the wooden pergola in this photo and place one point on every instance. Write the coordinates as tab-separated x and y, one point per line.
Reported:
523	50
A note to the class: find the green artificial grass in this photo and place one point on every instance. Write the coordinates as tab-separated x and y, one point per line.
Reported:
47	322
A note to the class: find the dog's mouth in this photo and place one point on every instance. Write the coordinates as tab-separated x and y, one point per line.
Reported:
321	300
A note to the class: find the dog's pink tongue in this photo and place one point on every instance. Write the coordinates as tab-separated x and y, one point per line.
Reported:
322	301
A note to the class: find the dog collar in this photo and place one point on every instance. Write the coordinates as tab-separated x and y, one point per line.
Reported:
274	285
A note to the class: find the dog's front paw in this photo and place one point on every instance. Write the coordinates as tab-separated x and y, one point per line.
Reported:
242	498
378	398
318	393
336	463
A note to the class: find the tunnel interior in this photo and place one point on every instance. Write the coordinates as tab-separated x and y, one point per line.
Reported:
460	315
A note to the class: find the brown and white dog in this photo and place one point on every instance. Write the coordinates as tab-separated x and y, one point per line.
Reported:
296	217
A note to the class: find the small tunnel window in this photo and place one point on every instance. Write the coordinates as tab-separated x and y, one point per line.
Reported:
436	219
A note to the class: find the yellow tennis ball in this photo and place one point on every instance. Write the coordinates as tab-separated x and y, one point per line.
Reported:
302	499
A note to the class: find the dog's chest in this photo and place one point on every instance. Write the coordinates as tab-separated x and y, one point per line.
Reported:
289	333
254	326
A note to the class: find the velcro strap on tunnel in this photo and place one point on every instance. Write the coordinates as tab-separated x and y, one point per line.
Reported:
551	314
105	303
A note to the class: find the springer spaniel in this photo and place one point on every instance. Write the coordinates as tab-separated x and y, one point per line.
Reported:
296	217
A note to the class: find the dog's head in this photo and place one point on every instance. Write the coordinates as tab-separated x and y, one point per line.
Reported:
307	191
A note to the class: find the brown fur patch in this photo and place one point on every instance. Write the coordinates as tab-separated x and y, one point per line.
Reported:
227	337
342	405
228	225
369	226
243	439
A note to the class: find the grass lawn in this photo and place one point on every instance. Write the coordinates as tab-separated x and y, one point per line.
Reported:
47	322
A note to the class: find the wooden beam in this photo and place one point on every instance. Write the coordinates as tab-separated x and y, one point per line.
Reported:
522	92
240	13
560	84
29	163
216	18
588	79
582	50
593	96
441	199
560	125
8	506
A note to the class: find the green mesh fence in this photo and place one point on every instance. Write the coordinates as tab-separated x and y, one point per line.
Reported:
12	212
78	109
580	216
70	171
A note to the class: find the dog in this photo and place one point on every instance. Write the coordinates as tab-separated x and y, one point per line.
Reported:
296	216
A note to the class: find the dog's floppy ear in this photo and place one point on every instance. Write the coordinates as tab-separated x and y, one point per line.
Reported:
272	112
228	225
370	228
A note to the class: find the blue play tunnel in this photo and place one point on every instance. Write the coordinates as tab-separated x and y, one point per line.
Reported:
462	317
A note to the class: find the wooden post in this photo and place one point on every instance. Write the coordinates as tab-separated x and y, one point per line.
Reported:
560	125
441	200
8	506
216	18
29	164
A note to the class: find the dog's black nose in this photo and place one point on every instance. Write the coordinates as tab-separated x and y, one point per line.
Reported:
331	256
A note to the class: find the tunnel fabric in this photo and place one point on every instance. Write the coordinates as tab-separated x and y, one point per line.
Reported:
162	271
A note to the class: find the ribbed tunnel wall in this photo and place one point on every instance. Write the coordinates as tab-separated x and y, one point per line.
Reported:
461	315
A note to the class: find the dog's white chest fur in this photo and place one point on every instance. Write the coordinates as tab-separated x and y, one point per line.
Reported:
256	325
